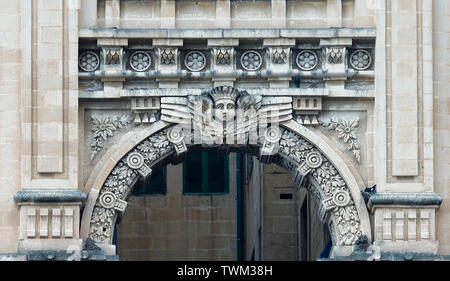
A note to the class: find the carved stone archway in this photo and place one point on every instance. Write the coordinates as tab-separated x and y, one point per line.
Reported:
298	149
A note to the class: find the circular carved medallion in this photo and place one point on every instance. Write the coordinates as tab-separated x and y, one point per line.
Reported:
135	160
175	135
140	61
195	61
251	60
307	60
108	199
272	134
314	159
341	198
88	61
360	60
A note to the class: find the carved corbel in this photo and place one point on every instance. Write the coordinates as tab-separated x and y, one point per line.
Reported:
271	144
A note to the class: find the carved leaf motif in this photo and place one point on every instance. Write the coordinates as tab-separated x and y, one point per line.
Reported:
348	224
337	181
111	181
294	146
346	130
160	141
123	172
104	127
146	146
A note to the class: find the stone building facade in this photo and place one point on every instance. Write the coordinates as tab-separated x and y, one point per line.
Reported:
343	94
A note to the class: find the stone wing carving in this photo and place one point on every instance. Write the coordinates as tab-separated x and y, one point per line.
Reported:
175	110
275	110
225	112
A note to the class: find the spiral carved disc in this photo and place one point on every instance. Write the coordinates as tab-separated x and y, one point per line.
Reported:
175	135
108	199
314	159
135	160
341	198
272	134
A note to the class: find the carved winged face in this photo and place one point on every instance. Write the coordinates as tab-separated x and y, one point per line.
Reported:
225	109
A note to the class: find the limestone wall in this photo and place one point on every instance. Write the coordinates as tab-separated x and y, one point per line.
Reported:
253	211
10	118
283	237
176	226
227	13
441	113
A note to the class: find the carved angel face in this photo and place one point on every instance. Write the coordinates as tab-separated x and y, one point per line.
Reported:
225	109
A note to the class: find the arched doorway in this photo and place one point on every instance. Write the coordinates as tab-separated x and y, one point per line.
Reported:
303	152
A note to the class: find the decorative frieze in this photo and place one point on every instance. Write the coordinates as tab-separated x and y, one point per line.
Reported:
276	63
